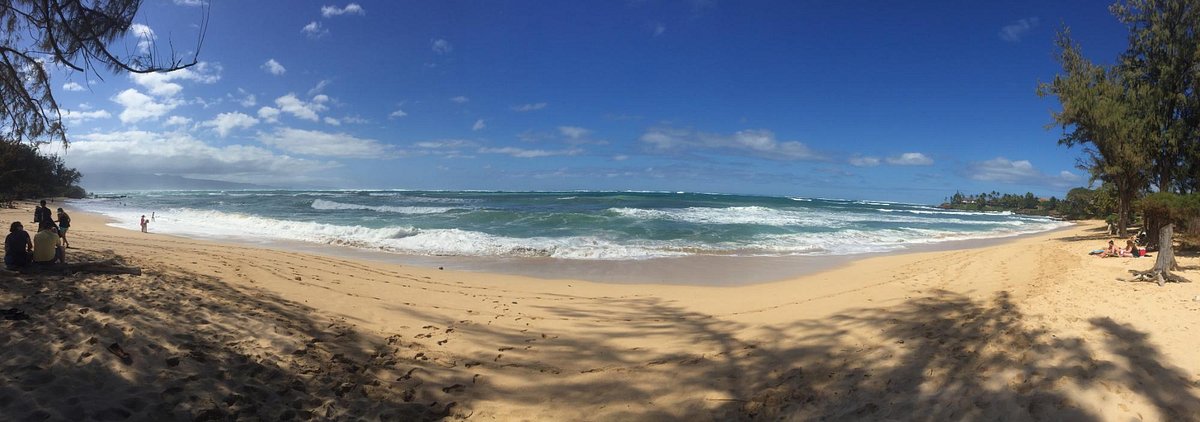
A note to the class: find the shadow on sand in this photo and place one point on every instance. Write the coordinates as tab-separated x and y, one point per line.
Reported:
202	349
198	349
939	357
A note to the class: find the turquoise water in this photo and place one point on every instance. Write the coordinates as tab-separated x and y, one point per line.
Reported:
569	225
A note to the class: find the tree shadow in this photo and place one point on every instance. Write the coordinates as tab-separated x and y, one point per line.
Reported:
199	349
940	357
1168	388
1098	237
204	349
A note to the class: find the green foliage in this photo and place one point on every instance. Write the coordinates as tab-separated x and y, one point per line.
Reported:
995	201
1161	69
1138	121
25	173
1170	207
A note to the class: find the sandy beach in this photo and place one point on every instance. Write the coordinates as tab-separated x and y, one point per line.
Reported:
1030	329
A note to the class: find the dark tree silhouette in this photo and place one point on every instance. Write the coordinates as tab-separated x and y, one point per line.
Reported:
74	34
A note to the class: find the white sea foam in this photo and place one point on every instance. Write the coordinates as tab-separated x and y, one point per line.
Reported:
800	217
938	211
321	204
840	233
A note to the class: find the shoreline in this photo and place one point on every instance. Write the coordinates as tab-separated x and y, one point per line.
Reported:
696	270
1030	328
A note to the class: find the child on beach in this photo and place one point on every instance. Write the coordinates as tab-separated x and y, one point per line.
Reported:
64	223
144	222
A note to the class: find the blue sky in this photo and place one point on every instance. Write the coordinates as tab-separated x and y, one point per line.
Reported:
864	100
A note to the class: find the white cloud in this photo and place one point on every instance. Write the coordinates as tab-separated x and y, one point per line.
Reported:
248	99
1069	177
864	161
755	142
290	104
460	99
144	35
479	125
325	144
82	116
441	46
314	30
1013	32
354	120
190	2
528	107
227	122
163	85
72	86
177	121
350	9
319	88
573	132
621	157
529	153
910	159
178	153
273	67
396	114
269	114
1003	170
446	144
332	121
139	106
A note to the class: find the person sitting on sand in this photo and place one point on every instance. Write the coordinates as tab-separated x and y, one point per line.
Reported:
18	248
1111	250
64	223
47	246
1130	250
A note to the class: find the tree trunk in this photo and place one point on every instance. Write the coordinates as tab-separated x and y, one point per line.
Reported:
1152	225
1166	252
1123	211
1161	273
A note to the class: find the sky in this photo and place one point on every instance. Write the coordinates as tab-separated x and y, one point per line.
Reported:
900	101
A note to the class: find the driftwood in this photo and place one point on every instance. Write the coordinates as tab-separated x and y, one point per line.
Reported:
1161	273
110	266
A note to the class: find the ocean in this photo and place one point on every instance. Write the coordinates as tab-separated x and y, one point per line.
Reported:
587	226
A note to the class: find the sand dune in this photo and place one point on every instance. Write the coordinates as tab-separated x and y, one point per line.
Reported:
1029	329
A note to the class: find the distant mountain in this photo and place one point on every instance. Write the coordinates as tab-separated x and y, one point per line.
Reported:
100	182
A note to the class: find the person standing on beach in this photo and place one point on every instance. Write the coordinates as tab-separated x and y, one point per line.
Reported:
42	213
18	248
64	223
144	222
47	246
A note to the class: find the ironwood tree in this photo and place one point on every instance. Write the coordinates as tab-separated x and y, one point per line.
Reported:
1139	118
1103	116
77	35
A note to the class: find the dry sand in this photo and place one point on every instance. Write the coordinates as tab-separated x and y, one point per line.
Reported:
1033	329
